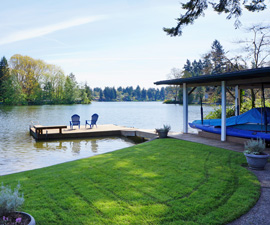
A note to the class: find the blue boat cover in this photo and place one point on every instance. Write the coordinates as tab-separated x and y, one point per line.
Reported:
255	115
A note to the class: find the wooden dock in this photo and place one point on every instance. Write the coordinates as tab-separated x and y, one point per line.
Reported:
44	133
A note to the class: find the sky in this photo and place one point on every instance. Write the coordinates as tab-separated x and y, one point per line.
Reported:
114	42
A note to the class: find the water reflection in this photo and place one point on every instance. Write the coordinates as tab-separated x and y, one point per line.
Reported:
54	152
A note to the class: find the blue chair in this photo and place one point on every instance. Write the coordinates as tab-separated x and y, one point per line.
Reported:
75	120
93	121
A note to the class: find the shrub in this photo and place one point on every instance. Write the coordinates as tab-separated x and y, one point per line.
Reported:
255	147
166	128
10	201
216	114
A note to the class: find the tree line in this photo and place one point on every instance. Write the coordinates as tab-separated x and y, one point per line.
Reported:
27	81
130	94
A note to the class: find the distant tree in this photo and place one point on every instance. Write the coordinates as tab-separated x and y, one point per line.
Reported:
196	8
12	91
197	68
174	89
137	93
218	57
114	93
88	91
129	90
29	73
107	94
84	97
101	95
144	94
157	95
48	91
151	94
4	75
162	94
71	89
188	66
207	64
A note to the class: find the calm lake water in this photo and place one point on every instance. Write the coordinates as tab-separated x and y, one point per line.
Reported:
19	151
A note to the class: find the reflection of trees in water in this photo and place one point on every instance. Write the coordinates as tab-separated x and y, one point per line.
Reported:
51	146
76	147
94	145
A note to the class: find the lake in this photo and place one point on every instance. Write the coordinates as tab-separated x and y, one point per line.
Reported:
20	152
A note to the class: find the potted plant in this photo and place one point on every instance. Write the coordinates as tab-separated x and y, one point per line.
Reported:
163	132
10	203
254	152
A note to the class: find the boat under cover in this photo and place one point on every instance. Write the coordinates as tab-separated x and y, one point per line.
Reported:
250	124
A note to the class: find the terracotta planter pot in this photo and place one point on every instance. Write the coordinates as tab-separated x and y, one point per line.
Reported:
257	162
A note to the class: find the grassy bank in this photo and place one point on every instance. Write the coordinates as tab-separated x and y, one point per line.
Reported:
165	181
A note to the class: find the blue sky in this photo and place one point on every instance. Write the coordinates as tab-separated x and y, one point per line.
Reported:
113	42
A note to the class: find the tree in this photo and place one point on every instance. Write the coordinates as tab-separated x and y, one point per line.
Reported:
100	95
144	94
137	93
4	75
162	94
257	49
174	89
196	8
12	91
88	91
70	89
218	57
29	73
151	94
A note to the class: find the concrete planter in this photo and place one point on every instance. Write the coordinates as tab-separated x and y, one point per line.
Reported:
256	162
27	219
162	134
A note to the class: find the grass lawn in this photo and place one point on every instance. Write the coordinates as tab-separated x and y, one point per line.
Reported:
165	181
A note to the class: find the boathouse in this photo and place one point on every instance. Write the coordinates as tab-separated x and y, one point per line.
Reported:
244	79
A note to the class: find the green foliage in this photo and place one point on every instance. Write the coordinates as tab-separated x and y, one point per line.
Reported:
247	104
31	81
165	128
4	74
70	90
10	201
196	8
216	113
12	91
255	147
166	181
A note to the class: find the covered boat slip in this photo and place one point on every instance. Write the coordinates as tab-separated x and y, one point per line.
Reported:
245	79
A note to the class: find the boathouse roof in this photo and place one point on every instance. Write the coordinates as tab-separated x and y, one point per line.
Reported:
252	78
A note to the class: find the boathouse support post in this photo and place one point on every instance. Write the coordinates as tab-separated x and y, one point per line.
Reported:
236	101
223	112
185	109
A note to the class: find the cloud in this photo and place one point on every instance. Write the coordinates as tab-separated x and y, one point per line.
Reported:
38	32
